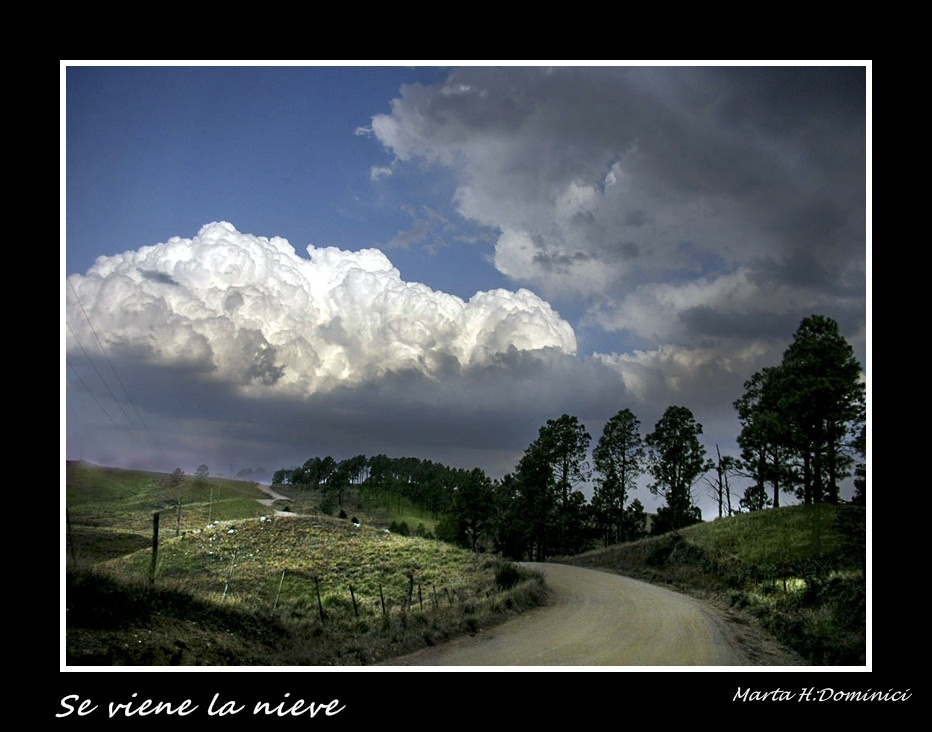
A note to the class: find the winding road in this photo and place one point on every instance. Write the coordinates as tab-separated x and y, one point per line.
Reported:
600	619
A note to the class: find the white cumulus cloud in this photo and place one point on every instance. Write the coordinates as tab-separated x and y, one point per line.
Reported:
250	311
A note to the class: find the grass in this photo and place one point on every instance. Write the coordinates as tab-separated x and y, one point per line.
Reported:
253	588
798	572
115	502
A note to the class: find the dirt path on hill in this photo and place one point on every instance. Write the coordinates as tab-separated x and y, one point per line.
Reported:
272	497
600	619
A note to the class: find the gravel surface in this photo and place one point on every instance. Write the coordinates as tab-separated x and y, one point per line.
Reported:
600	619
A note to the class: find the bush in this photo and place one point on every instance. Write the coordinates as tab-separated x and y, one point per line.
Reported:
507	576
399	528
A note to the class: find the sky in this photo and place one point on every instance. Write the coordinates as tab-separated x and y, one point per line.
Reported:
267	263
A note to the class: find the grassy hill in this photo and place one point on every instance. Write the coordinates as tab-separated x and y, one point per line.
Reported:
237	584
798	572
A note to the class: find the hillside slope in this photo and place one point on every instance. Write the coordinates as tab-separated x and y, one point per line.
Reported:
234	586
797	572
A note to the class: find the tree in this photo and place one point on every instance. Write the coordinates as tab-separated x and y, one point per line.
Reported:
724	467
283	476
339	476
766	453
860	470
533	509
635	521
176	481
860	485
618	458
755	498
548	476
473	505
510	525
564	446
823	403
676	460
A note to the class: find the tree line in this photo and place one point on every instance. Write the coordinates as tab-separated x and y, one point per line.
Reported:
802	433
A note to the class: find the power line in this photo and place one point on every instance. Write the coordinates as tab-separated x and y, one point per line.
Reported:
99	375
107	357
96	401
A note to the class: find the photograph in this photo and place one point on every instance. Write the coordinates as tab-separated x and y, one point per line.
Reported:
548	368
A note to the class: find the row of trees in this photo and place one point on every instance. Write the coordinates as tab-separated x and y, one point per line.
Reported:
539	510
545	510
803	427
430	485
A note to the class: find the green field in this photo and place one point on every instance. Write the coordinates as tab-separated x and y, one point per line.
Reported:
236	583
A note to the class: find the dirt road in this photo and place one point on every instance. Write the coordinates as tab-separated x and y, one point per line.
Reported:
600	619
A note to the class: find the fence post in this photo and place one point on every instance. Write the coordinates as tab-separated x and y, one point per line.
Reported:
74	559
279	593
320	605
155	547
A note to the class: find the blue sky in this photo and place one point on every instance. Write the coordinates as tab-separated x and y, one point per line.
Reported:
434	260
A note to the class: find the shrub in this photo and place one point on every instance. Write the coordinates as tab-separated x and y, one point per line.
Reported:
507	576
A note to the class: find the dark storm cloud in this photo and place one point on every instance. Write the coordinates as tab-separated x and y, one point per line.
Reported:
706	322
743	162
481	417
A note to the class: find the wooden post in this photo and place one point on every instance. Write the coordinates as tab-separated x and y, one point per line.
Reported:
155	547
74	559
320	605
353	596
279	593
180	495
